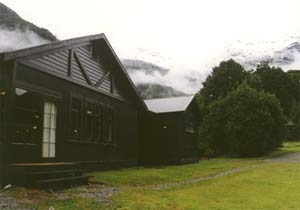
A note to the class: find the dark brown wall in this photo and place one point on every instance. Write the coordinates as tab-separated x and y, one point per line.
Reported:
189	144
125	147
6	83
172	144
159	144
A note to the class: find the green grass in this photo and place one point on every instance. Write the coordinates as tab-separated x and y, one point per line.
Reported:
150	176
69	204
287	147
270	187
291	147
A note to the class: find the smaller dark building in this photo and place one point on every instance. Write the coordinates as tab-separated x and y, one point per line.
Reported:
170	131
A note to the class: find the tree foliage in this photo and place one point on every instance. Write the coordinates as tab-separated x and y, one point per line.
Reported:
223	79
276	81
246	122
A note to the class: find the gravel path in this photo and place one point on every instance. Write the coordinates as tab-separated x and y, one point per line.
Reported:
287	158
201	179
98	192
8	203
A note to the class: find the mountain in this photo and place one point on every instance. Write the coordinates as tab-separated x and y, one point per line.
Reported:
148	68
285	54
152	90
17	33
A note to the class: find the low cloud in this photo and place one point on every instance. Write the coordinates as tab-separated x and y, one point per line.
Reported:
188	82
18	39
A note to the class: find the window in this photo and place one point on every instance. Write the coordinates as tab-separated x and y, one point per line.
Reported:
75	118
28	117
109	123
93	129
91	121
49	130
189	125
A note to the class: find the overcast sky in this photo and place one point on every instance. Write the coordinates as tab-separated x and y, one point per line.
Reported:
185	33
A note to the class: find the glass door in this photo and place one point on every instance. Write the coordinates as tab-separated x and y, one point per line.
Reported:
49	130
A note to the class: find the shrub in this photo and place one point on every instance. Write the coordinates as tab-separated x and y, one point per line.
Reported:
246	122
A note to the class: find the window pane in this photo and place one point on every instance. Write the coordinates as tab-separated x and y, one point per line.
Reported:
53	122
52	136
52	150
53	109
45	150
46	120
46	135
47	108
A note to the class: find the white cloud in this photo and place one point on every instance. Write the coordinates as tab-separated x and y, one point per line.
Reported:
18	39
190	35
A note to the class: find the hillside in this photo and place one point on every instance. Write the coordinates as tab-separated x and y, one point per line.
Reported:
17	33
152	90
148	68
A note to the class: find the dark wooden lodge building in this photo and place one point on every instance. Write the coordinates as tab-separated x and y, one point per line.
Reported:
170	131
65	107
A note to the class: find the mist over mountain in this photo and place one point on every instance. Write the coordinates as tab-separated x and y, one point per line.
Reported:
133	65
152	90
17	33
285	54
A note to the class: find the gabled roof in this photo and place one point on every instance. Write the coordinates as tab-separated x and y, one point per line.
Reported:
165	105
54	46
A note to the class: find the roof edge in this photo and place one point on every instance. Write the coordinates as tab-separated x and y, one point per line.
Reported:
123	69
189	95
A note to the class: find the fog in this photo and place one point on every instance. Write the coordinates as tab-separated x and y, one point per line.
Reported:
18	39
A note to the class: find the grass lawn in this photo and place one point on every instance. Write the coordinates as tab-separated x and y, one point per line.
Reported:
141	176
270	186
291	147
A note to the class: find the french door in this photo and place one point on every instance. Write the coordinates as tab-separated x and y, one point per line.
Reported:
49	129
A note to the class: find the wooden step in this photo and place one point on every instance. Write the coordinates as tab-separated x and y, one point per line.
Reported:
47	174
61	182
44	164
54	172
62	179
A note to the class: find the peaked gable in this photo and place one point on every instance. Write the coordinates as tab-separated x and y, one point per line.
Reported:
88	61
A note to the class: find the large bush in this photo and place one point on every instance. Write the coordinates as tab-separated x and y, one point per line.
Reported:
246	122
